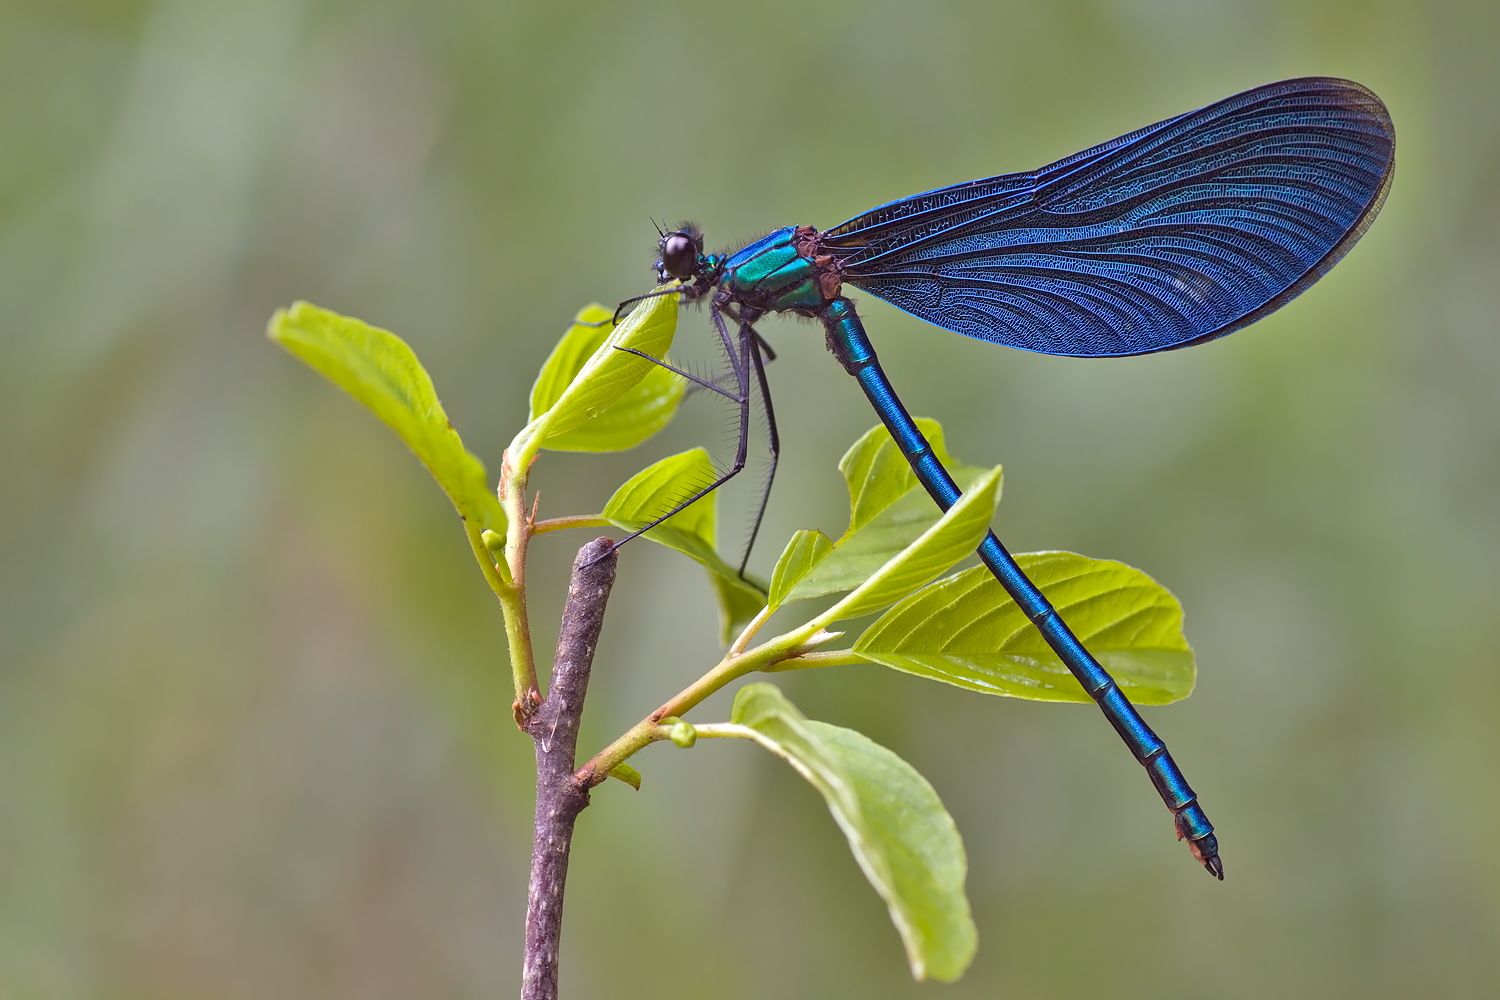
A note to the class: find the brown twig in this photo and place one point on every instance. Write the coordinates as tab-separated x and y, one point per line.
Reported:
559	796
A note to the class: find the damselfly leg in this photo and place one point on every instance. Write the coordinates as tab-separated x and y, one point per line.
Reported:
742	355
758	346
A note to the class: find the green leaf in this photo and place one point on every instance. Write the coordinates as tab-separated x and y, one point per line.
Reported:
887	510
878	475
955	535
806	549
966	631
903	839
627	774
567	359
605	377
659	487
377	368
739	601
639	412
654	490
864	550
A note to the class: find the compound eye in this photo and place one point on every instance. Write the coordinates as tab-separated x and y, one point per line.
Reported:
679	255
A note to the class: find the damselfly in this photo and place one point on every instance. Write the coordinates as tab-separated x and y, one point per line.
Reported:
1170	236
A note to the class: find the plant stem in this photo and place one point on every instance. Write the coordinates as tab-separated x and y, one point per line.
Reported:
820	658
513	599
646	731
560	797
750	630
796	643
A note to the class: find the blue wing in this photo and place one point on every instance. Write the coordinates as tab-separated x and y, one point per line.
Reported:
1172	235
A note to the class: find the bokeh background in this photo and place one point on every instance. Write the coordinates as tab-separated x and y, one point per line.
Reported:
254	732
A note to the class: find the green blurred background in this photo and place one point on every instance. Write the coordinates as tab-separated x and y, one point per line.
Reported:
254	709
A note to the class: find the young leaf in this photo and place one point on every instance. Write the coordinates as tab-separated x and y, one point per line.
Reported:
878	475
806	549
604	378
903	839
887	510
567	359
966	631
641	411
377	368
862	551
956	534
655	490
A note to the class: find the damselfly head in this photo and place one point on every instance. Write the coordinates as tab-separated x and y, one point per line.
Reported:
680	250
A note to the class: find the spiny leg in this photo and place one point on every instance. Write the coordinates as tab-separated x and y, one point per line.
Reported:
756	345
692	292
738	359
703	383
615	320
734	355
657	293
765	346
757	351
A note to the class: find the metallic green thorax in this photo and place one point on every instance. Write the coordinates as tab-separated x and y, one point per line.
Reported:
774	274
